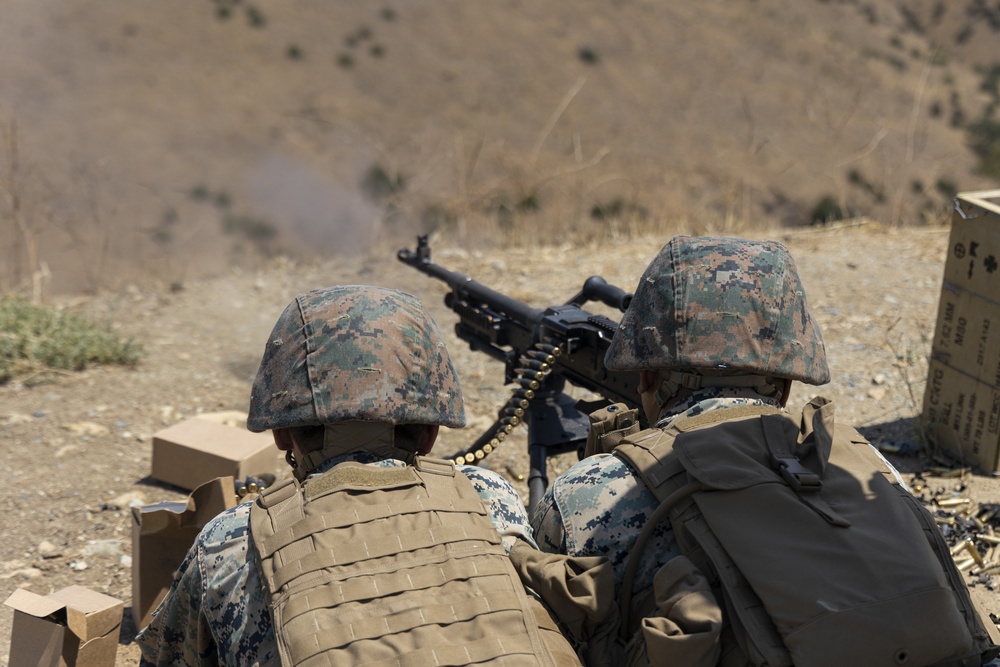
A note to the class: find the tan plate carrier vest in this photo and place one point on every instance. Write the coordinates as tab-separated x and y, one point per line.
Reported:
388	566
816	553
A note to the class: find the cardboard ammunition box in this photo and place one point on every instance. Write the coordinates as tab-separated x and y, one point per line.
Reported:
961	411
162	534
199	449
74	627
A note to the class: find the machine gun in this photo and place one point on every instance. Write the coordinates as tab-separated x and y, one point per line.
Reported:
542	350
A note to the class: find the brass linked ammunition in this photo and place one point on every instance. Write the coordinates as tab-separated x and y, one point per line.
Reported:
252	486
241	489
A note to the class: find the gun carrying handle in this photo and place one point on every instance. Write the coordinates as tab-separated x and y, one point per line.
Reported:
596	288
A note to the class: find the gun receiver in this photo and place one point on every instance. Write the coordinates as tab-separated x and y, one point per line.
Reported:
541	349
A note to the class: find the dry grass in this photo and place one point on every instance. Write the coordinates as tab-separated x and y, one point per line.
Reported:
567	123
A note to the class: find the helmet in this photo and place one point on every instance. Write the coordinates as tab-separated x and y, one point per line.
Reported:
723	304
355	353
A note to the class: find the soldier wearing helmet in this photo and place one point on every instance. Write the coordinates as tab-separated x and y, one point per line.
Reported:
714	323
369	537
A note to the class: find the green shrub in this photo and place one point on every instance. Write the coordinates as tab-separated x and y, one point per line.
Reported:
37	342
255	17
826	210
257	230
984	139
588	55
618	209
946	187
379	184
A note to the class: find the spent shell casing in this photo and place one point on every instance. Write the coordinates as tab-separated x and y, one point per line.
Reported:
959	548
965	564
989	539
514	474
992	567
974	552
953	502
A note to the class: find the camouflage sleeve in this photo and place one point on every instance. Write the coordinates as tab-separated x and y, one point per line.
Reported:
503	504
179	633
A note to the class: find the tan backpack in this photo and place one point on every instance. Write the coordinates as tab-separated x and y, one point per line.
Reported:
395	566
815	553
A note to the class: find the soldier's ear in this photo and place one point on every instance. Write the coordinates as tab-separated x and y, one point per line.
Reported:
648	380
282	438
786	391
425	441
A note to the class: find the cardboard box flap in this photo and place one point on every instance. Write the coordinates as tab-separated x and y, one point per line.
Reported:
89	614
205	503
33	604
966	202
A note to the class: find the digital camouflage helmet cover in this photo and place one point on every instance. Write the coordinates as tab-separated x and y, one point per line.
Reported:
723	304
355	353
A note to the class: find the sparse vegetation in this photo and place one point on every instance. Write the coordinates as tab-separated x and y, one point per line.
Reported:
826	210
857	179
258	231
946	187
38	342
294	52
588	55
379	184
255	17
618	209
984	139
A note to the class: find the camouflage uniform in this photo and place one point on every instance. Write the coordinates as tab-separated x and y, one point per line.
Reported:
722	317
336	357
216	612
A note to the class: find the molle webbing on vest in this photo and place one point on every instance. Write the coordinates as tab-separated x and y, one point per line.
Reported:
391	566
816	552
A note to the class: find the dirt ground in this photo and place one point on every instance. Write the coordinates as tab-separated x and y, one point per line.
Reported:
78	451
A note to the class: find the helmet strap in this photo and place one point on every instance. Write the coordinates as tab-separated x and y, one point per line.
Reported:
677	380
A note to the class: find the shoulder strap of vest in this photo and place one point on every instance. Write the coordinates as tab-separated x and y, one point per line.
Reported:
277	505
648	451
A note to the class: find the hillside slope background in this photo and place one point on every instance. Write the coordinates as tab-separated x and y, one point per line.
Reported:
165	142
